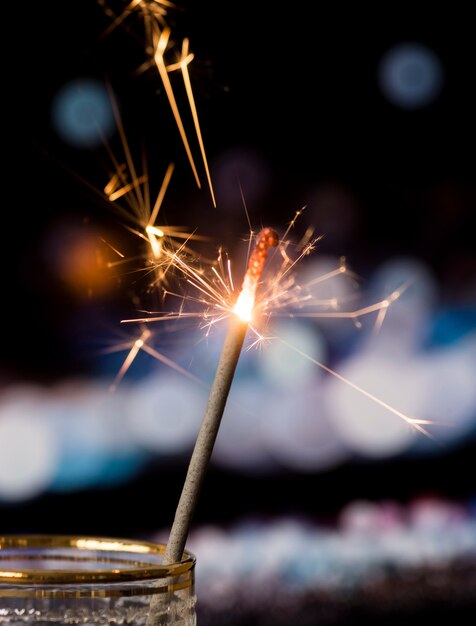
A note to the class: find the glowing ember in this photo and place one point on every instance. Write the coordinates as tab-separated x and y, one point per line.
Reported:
268	238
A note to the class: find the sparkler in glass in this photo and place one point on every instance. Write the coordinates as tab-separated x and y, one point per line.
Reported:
259	297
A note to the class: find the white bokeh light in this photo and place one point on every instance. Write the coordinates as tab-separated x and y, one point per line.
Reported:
90	426
406	321
285	368
240	443
164	413
28	447
298	434
365	426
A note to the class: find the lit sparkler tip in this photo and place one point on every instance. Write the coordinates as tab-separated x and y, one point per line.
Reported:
153	230
267	238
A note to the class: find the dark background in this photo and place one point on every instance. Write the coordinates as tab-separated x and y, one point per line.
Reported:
297	87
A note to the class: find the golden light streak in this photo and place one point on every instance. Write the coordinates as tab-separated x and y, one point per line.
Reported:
134	351
155	236
161	195
116	180
157	36
111	546
163	359
117	19
160	63
153	12
113	196
372	308
125	147
142	344
380	319
113	249
10	574
188	88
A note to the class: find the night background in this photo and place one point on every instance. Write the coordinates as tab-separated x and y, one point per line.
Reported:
365	118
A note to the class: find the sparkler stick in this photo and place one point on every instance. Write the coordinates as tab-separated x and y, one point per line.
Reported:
218	396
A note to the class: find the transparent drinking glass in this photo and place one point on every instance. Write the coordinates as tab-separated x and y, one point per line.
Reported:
93	580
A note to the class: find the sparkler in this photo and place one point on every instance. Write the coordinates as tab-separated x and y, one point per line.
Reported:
281	295
214	290
218	396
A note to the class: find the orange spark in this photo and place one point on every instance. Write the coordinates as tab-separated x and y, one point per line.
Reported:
133	352
188	88
160	63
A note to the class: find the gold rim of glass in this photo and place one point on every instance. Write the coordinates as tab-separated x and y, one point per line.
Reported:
11	547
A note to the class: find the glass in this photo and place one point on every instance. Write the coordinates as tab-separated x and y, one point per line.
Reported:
93	580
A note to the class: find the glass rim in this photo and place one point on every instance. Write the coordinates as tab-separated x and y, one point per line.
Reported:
141	571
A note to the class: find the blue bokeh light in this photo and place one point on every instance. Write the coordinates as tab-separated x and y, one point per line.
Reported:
411	75
82	113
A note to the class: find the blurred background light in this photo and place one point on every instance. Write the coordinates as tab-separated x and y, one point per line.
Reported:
29	451
411	75
370	543
363	425
450	392
407	322
164	413
95	446
284	368
298	433
82	113
75	253
452	324
240	444
284	412
415	280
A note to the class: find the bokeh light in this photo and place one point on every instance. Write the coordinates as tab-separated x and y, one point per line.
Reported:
164	412
411	75
285	369
29	451
76	254
366	427
450	393
90	427
369	543
298	432
82	113
240	444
